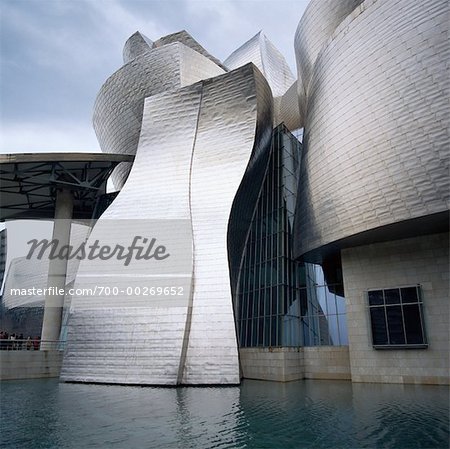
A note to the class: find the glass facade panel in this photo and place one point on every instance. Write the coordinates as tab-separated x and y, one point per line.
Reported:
413	324
376	297
409	294
395	325
379	328
287	302
392	296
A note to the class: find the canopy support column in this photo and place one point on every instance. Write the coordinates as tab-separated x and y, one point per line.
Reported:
57	272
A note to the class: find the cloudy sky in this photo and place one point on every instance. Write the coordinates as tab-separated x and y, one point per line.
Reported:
55	55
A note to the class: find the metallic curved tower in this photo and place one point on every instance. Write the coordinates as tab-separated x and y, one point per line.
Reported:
119	105
316	26
374	132
373	198
197	143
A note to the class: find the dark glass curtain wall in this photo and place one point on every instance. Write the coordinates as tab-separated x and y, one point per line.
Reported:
279	301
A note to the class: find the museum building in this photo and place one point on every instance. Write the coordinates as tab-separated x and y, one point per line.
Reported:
309	212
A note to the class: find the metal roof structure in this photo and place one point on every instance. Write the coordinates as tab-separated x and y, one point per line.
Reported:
29	181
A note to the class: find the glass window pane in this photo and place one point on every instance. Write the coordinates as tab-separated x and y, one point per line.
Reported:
274	309
392	296
262	276
273	332
343	332
375	297
413	326
255	303
248	338
255	332
283	305
250	305
331	302
265	302
379	330
262	300
303	301
258	252
409	294
329	334
260	324
240	306
280	327
340	304
395	325
267	333
274	274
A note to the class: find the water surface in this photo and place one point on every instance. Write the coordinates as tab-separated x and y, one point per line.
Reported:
305	414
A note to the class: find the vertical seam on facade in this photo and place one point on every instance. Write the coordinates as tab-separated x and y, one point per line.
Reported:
262	52
187	329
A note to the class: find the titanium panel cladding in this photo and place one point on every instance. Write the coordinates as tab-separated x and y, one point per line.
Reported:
376	132
268	59
135	45
233	108
119	105
202	138
316	26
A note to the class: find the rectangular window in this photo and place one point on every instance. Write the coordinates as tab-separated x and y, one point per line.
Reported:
396	318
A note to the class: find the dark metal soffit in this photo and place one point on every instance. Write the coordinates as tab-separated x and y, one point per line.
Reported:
29	181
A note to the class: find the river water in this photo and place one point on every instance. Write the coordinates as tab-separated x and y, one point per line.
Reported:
305	414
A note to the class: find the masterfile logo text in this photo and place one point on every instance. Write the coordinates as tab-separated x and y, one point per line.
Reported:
141	248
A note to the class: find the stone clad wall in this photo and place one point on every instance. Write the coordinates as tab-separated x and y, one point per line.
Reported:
29	364
421	260
287	364
326	362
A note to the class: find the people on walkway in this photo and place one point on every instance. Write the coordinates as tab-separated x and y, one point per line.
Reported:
13	342
36	343
4	337
17	342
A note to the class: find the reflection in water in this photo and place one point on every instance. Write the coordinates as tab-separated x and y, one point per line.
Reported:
304	414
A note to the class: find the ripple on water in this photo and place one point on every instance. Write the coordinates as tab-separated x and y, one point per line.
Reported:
305	414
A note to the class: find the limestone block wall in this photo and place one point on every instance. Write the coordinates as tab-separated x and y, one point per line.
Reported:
326	362
277	364
287	364
419	260
29	364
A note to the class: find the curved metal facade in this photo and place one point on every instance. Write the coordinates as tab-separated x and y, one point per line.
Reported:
268	59
376	145
119	105
185	38
316	26
272	64
286	109
371	95
135	45
200	140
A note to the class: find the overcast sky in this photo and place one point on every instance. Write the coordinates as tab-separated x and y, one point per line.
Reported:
56	54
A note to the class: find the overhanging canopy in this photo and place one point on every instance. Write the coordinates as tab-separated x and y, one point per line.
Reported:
28	182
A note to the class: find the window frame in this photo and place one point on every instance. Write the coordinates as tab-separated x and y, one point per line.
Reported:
384	306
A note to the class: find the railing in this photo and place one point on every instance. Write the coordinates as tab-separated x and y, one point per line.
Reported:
33	344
